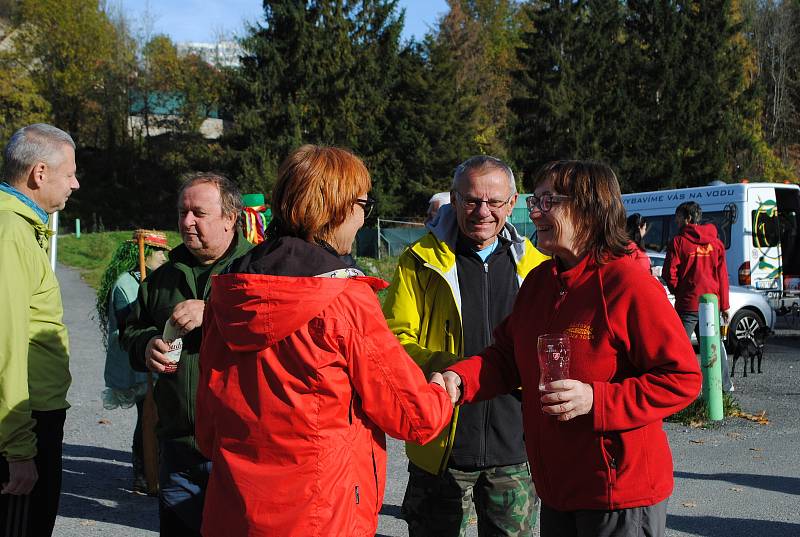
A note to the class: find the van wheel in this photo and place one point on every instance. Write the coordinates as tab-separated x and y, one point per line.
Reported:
744	324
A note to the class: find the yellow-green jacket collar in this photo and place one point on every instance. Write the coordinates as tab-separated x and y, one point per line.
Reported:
11	203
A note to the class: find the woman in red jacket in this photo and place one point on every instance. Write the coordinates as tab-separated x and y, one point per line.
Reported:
636	227
600	459
299	374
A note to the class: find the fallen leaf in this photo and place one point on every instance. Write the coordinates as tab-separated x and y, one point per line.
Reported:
758	458
87	522
761	419
736	489
756	449
735	435
697	441
103	421
690	505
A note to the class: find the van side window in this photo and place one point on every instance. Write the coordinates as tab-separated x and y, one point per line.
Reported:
655	238
722	223
766	227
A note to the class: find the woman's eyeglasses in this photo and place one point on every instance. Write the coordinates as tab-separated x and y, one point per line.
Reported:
367	204
544	202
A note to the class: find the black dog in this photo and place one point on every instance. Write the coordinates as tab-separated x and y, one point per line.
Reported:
751	348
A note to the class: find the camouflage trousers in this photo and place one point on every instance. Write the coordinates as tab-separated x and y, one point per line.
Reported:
440	506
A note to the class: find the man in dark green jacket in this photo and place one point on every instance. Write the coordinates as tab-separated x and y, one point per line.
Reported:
208	207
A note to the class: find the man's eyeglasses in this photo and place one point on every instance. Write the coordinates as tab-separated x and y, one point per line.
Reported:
544	202
367	204
471	204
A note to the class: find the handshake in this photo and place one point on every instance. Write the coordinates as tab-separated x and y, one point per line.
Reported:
451	383
562	399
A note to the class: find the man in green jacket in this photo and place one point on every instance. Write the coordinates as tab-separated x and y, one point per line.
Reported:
39	176
208	208
451	288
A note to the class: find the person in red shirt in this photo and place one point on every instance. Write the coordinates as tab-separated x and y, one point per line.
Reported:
694	266
600	459
636	226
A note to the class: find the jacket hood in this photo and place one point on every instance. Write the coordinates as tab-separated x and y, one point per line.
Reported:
699	233
264	299
10	203
41	231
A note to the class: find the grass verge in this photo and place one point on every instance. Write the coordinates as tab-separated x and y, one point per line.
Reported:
696	414
92	252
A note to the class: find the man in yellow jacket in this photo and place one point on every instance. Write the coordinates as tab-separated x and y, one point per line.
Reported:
450	290
38	177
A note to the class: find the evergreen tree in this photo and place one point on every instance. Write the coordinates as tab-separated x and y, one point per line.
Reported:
571	98
314	72
543	98
658	90
696	91
431	128
657	94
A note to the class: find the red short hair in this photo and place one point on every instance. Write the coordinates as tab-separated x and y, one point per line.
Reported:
316	189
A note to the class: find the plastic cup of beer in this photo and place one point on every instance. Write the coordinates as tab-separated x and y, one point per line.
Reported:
553	350
723	330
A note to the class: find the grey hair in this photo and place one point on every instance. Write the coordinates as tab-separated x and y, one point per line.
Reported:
229	195
39	142
484	162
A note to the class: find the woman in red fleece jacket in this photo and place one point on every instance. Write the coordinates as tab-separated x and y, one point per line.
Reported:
599	457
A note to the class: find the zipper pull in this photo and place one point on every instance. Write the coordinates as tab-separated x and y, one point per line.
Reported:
486	268
358	497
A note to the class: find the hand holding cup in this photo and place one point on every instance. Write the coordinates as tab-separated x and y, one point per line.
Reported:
562	397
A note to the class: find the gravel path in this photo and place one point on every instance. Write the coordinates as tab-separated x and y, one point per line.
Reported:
737	480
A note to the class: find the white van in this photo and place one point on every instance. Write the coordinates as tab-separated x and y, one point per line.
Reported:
759	224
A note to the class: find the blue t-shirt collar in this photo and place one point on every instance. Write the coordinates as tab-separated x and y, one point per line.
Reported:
486	252
8	189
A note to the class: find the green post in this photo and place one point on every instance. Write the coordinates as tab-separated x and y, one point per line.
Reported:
77	228
710	355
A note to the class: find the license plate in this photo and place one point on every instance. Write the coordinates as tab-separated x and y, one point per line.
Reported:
773	294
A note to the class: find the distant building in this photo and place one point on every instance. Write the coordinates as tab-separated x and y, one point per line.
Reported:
222	54
164	110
